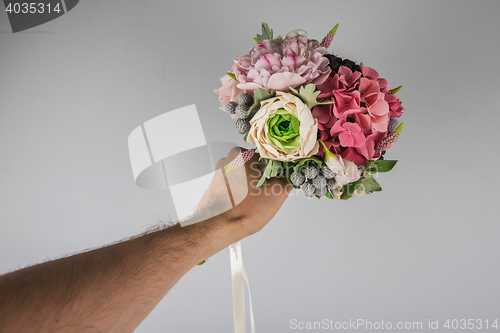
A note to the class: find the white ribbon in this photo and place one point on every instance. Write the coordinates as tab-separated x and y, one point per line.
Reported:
238	274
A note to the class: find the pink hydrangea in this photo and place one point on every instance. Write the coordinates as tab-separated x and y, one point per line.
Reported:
278	65
349	134
357	121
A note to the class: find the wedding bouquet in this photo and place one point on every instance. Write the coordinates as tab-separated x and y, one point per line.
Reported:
321	120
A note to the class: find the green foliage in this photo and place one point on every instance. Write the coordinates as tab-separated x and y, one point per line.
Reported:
380	166
273	169
366	182
349	189
369	184
201	262
266	33
309	96
259	95
316	160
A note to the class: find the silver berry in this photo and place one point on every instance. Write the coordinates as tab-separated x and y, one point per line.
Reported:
241	111
393	125
319	181
310	172
308	189
297	179
320	191
327	172
331	184
245	99
242	125
231	107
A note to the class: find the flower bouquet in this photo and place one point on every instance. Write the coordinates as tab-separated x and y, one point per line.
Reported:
322	121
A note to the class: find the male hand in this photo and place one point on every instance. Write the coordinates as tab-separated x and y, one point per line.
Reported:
235	198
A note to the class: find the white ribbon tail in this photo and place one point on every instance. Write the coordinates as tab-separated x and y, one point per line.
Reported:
238	274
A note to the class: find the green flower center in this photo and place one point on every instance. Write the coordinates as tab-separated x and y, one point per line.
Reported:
283	131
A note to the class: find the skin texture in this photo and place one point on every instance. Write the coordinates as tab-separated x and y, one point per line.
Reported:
114	288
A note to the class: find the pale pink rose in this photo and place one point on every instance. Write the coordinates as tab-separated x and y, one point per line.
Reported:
228	92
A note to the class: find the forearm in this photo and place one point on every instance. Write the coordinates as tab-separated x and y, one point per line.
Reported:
112	288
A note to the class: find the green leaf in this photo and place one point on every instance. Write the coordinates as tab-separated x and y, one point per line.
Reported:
381	166
273	169
201	262
232	76
266	33
349	189
277	169
395	90
328	194
259	95
309	96
307	159
369	169
369	184
262	180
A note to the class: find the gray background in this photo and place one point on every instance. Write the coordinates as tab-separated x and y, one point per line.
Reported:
425	248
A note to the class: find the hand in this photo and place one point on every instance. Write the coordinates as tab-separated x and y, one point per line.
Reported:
251	207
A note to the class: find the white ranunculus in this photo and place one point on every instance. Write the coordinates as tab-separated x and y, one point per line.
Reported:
296	33
258	134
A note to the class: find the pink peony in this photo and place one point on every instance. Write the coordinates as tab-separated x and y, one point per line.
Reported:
277	65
